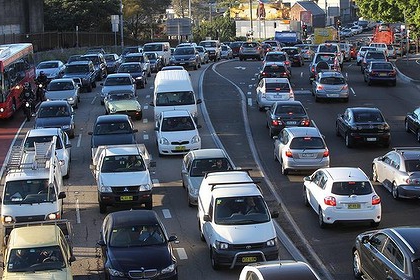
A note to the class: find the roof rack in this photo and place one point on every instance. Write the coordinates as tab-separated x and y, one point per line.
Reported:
230	170
213	185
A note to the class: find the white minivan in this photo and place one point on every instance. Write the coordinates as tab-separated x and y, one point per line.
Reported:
173	91
163	49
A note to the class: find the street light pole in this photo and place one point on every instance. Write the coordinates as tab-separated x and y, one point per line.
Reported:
250	17
121	26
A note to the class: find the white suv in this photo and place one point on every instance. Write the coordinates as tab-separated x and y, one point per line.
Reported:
332	48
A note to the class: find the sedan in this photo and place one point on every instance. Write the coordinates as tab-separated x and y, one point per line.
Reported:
286	114
53	69
399	172
118	81
123	102
380	72
187	57
330	85
113	61
342	194
63	89
204	54
156	62
226	52
135	244
135	69
388	253
412	123
363	125
294	55
274	70
58	114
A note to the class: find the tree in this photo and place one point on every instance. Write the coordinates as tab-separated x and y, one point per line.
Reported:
221	27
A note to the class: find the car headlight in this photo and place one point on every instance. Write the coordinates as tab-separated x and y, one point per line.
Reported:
53	216
114	272
195	139
7	219
222	245
271	242
70	99
139	78
112	110
1	110
105	189
164	141
145	187
192	58
194	191
168	269
65	127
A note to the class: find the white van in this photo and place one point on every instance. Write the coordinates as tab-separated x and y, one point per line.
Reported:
163	49
173	91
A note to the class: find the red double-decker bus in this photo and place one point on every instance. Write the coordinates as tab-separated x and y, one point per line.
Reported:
16	68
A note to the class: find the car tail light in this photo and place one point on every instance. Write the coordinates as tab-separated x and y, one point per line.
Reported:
412	181
319	87
326	153
373	73
392	73
291	94
313	69
287	62
289	153
305	122
376	199
345	87
330	200
276	122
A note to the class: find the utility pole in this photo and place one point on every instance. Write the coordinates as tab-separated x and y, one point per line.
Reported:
250	17
121	26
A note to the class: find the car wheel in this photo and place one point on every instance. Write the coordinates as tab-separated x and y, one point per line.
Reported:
102	208
348	140
321	219
418	135
275	156
357	265
149	204
374	173
305	197
214	264
284	170
270	132
189	201
407	128
201	232
395	194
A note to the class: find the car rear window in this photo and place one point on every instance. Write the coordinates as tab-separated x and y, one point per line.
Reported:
350	188
375	55
325	57
275	57
368	117
332	81
277	87
328	48
382	66
249	45
412	165
274	68
307	143
290	110
291	51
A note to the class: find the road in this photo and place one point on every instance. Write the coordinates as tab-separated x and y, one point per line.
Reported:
228	93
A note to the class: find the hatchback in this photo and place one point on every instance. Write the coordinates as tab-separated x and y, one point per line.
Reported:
330	85
284	269
63	89
141	235
117	81
274	70
286	114
271	90
300	148
251	50
277	56
399	172
54	69
294	55
380	72
342	194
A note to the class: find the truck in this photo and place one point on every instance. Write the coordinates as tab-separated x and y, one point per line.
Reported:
289	38
122	175
234	220
38	250
383	34
321	35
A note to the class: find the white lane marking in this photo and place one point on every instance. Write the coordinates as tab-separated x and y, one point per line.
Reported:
250	86
181	253
145	107
93	100
352	90
77	211
250	102
148	96
155	182
301	74
79	140
347	75
151	87
146	137
249	93
145	120
166	213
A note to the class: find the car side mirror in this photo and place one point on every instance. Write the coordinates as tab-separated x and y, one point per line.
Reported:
172	238
206	218
61	195
199	101
275	214
365	239
101	243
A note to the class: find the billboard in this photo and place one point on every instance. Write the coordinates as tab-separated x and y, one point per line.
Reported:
263	9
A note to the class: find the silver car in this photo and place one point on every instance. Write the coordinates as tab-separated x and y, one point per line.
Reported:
300	148
63	89
330	85
196	164
399	172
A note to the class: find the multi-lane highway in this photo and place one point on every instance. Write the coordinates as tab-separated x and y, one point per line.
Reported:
228	92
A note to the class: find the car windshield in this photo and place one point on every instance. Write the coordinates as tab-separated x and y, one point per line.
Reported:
351	188
36	259
124	163
332	81
120	96
55	86
77	69
53	111
240	210
208	44
277	87
117	81
328	48
130	68
29	142
112	128
305	143
152	48
28	192
291	51
175	98
290	110
137	235
368	117
200	167
47	65
275	57
109	58
177	124
134	58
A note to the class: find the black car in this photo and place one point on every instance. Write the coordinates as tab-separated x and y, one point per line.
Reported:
135	245
136	71
284	114
235	46
113	61
389	253
99	63
274	70
56	113
85	70
371	56
294	55
363	125
412	123
112	130
380	72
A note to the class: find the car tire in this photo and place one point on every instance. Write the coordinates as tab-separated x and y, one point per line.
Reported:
374	173
270	132
321	219
214	264
284	170
149	204
200	231
348	140
305	197
357	265
102	208
394	191
189	201
337	130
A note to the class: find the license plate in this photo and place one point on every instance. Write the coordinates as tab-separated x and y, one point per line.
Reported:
332	95
291	122
180	148
353	206
307	155
126	197
249	259
383	74
371	139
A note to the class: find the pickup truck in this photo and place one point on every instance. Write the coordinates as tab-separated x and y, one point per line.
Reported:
122	175
38	250
234	220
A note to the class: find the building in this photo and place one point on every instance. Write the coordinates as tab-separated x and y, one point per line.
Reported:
308	13
345	10
21	16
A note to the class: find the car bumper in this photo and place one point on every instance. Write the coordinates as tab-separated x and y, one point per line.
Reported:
169	276
178	149
382	79
304	164
332	215
122	198
132	114
371	138
184	63
331	95
193	198
234	258
264	102
409	191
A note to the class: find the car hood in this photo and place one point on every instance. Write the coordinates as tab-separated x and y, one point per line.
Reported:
113	139
52	122
123	105
183	56
179	136
48	71
40	275
106	89
60	94
116	179
243	234
134	258
35	209
195	182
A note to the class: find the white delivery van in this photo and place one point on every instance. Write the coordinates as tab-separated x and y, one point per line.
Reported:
173	91
163	49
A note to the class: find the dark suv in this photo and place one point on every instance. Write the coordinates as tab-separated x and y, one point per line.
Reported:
99	63
85	70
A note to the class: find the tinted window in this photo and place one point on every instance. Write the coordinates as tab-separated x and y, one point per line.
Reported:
382	66
124	163
116	81
177	124
332	81
307	143
277	87
28	191
46	65
201	166
112	128
350	188
290	110
77	69
249	45
412	165
368	117
274	68
327	58
233	210
130	68
374	55
275	57
327	48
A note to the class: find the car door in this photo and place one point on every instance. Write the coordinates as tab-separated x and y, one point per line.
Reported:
392	169
185	169
311	187
413	120
382	168
320	191
391	263
370	251
342	122
284	139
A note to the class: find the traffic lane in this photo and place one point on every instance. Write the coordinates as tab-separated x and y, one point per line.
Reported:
290	189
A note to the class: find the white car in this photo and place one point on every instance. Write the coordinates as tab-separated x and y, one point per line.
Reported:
177	133
356	29
271	90
62	149
63	89
361	53
53	69
342	194
117	81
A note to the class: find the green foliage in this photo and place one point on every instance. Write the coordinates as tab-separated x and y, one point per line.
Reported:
222	28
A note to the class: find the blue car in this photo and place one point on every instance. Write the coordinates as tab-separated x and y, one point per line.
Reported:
56	113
